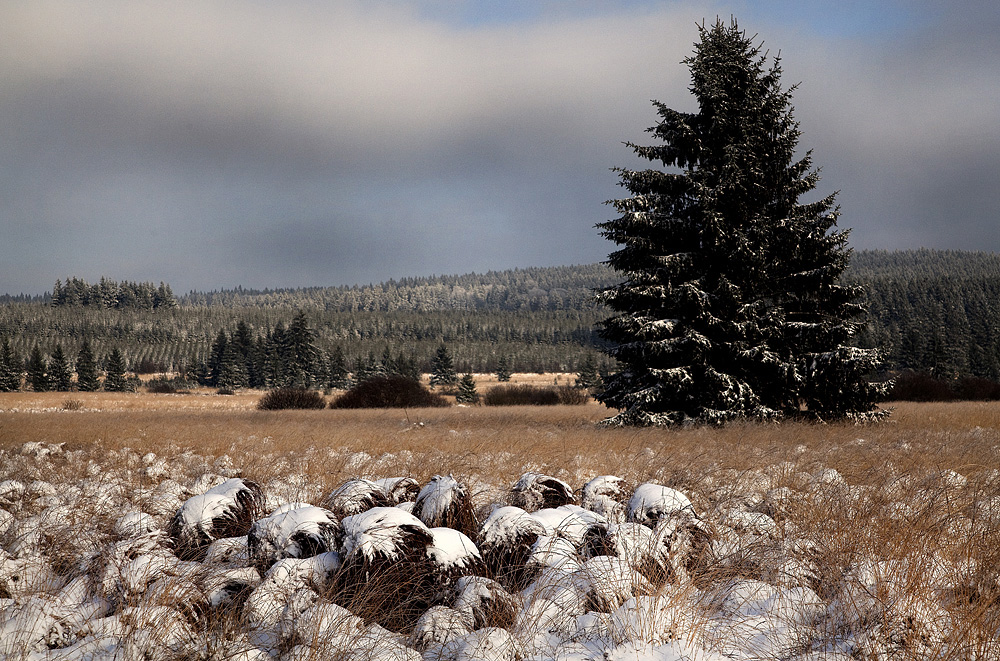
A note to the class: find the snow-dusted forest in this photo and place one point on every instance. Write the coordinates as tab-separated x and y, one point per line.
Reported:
930	310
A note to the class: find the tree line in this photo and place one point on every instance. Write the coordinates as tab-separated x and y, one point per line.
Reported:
929	310
59	372
283	358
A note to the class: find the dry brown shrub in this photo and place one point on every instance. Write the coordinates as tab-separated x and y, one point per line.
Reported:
390	391
287	398
521	395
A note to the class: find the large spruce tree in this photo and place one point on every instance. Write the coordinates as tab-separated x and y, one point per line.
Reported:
730	305
503	371
232	373
216	355
338	376
467	393
243	342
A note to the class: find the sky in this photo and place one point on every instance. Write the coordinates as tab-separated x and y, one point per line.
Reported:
262	144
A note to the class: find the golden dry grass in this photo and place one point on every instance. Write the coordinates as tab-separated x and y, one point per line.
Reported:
895	511
499	441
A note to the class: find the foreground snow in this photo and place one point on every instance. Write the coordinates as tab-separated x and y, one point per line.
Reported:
90	567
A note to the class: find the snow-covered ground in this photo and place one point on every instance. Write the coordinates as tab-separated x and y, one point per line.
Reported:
129	556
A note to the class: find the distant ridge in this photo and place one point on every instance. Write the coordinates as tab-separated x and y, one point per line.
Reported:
536	288
559	287
467	290
872	265
932	310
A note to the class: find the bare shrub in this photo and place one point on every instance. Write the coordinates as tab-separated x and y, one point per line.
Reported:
169	386
72	405
571	396
521	395
923	387
919	387
974	388
392	391
291	398
161	386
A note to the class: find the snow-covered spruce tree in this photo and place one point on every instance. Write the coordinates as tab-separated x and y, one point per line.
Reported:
467	393
302	353
60	373
588	378
366	368
86	369
338	375
244	344
37	369
503	371
730	305
232	369
215	358
114	372
10	368
443	369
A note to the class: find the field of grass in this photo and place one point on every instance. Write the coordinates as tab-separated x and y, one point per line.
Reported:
918	437
895	527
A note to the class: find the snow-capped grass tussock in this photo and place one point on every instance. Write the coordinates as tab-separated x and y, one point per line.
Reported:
299	540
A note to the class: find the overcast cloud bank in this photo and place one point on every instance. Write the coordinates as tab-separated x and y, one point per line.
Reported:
211	144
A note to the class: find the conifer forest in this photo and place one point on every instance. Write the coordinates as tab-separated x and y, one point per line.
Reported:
929	310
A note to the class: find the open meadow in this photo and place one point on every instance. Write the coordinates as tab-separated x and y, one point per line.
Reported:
792	541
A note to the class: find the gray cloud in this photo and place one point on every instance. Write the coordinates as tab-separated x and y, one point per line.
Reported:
281	144
905	130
